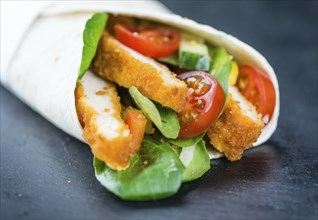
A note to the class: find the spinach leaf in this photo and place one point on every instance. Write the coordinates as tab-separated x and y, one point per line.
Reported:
186	142
92	33
164	118
196	160
155	173
146	106
169	122
222	76
221	68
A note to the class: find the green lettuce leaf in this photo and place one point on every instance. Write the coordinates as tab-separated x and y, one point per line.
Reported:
196	160
164	118
186	142
92	33
169	122
155	173
221	68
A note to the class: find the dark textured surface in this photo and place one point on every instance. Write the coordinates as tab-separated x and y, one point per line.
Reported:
47	174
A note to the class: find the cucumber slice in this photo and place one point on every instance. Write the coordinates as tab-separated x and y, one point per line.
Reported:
193	53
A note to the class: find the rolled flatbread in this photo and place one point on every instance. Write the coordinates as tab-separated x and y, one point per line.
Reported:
41	61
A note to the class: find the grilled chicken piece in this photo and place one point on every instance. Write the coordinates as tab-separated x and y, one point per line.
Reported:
98	108
126	67
238	127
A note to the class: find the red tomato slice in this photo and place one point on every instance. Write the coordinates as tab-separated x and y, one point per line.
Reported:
136	122
258	89
205	102
151	41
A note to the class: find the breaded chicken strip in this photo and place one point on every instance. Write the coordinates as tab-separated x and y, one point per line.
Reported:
98	108
238	127
126	67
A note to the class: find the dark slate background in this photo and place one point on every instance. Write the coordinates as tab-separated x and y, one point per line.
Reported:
47	174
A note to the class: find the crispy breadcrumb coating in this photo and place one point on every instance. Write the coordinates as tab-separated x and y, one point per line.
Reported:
126	67
98	108
235	130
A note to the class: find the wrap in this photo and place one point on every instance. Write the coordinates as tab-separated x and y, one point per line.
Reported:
42	54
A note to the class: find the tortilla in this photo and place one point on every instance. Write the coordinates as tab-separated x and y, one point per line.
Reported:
43	69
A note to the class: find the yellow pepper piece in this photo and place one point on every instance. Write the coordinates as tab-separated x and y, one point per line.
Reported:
234	73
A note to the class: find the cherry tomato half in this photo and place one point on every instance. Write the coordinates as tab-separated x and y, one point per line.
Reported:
258	89
151	41
205	102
